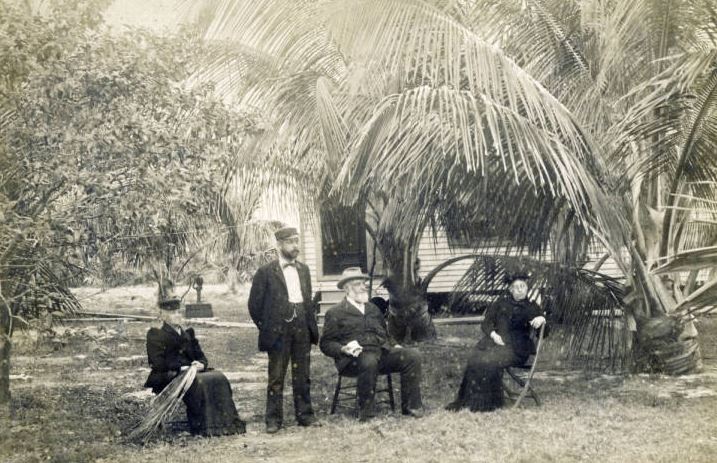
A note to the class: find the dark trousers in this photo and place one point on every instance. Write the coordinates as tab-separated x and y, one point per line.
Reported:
292	347
367	366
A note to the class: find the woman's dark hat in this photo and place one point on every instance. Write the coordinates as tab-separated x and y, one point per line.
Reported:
509	278
170	304
167	298
285	233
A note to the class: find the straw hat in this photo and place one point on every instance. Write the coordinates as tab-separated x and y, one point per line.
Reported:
350	274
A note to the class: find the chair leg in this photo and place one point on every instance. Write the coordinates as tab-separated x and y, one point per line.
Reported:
391	400
515	377
335	402
337	394
534	395
521	383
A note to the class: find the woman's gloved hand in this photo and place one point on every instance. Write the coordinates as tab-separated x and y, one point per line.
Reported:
537	322
497	338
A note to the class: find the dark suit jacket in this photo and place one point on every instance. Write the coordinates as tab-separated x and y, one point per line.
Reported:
269	300
167	352
345	323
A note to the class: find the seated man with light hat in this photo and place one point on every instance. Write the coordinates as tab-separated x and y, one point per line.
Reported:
355	336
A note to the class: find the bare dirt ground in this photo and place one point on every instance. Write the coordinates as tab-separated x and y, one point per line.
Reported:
76	397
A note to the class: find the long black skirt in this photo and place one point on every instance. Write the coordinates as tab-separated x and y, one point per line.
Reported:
482	385
210	407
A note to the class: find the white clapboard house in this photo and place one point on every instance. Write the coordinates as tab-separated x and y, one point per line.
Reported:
351	246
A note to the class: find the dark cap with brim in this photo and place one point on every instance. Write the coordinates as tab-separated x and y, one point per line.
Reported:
285	233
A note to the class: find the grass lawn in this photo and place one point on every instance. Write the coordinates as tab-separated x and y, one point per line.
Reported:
76	398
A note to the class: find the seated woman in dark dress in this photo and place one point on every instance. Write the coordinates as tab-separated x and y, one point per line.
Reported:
171	350
507	326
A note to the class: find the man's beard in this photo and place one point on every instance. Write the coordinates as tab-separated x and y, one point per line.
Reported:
361	297
290	255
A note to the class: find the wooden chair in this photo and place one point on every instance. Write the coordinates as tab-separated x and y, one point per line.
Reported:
514	376
515	381
345	393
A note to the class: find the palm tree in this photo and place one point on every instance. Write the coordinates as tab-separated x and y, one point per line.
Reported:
640	77
448	113
339	101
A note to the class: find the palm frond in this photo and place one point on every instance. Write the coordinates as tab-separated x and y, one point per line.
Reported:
701	299
164	405
290	31
424	128
234	68
694	259
437	50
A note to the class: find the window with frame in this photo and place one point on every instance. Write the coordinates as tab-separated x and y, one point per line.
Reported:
343	238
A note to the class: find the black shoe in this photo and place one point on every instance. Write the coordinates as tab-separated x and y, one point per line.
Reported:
454	406
364	417
309	422
272	428
414	412
238	428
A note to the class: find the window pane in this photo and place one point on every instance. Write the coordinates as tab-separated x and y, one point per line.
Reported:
343	239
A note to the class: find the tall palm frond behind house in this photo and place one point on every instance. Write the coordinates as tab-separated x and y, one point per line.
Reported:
583	308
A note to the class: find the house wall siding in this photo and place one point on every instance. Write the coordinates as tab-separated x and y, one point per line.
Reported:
433	250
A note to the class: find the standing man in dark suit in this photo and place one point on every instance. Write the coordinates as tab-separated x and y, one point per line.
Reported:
280	305
355	336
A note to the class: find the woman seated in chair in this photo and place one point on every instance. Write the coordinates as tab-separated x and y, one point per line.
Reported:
507	326
171	350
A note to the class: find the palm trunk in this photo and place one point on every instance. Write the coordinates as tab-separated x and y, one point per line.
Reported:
408	318
664	343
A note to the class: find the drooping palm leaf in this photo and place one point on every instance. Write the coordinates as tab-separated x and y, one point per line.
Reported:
164	405
694	259
37	285
513	107
426	130
703	299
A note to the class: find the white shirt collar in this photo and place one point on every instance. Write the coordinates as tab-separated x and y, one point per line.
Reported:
283	261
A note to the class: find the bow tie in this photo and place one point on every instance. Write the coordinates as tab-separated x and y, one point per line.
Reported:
289	264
